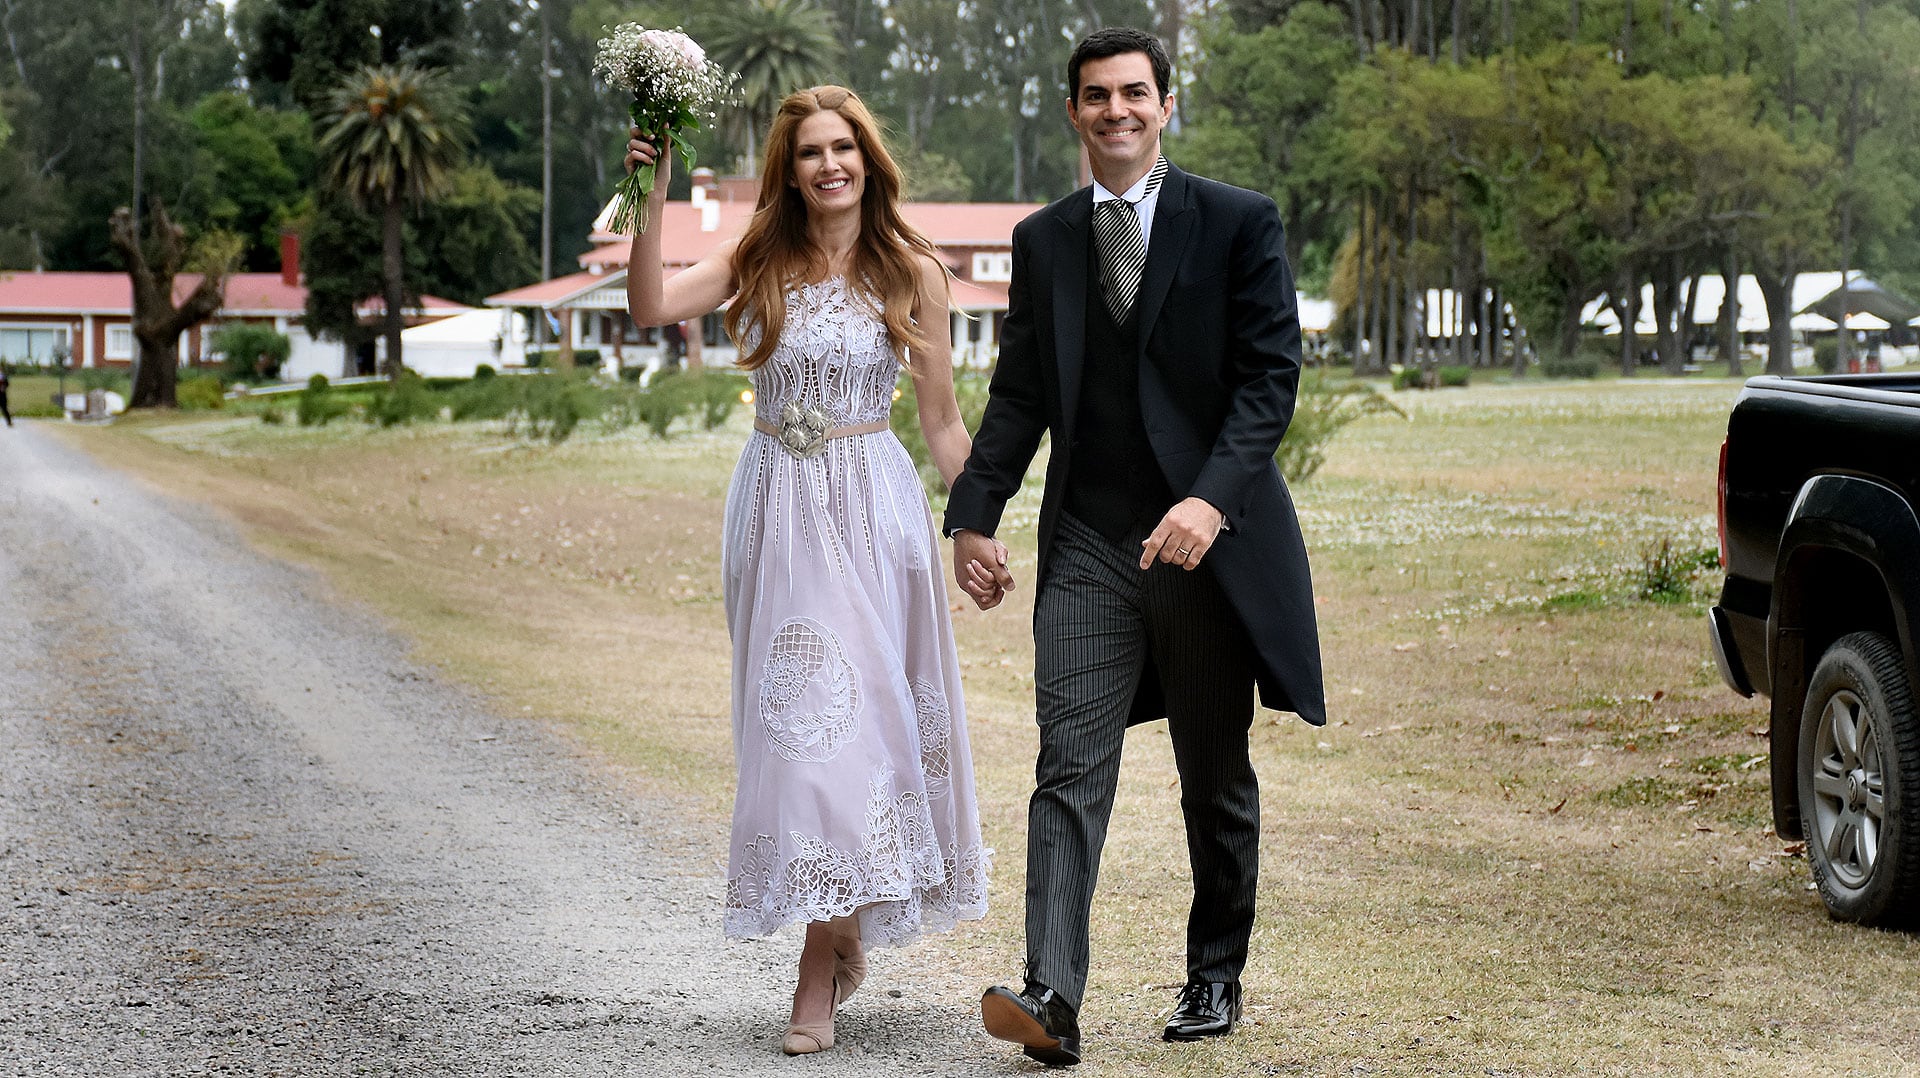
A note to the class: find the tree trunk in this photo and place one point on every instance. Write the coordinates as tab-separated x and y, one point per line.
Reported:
1630	320
391	274
1666	297
1457	318
1360	284
137	68
1574	298
1390	282
1688	311
1730	314
1776	288
157	322
1415	296
1376	294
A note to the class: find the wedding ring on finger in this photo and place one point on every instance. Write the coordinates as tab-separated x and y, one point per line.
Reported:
1182	551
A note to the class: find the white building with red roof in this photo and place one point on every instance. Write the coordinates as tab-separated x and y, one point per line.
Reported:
590	306
86	318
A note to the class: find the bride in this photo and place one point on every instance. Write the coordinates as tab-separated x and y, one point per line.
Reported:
854	811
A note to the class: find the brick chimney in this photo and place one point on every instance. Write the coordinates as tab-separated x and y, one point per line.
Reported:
290	258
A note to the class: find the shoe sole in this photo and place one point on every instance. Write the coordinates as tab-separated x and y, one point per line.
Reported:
1189	1038
1005	1020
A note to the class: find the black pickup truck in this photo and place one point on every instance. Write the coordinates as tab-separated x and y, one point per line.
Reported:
1819	478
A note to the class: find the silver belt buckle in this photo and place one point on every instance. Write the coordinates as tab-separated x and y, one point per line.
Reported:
803	430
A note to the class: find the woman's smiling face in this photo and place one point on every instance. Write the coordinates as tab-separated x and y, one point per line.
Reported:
828	168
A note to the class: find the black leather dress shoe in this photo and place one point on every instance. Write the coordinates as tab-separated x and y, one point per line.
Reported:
1036	1019
1206	1009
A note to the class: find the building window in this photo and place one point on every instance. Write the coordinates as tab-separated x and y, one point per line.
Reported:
993	266
119	342
30	345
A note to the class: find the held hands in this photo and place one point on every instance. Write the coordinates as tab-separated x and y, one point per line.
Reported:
980	568
1184	535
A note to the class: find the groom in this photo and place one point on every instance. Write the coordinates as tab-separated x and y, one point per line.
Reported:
1151	329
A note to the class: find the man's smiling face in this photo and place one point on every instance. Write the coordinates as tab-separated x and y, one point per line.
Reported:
1119	114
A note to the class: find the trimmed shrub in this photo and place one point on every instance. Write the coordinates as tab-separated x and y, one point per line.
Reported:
200	394
1826	355
485	397
318	406
720	391
251	351
111	379
554	405
402	401
1452	377
1583	364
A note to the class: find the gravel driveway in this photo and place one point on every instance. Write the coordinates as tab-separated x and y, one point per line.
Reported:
240	833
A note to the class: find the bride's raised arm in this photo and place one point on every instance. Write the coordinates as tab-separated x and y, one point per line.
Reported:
701	288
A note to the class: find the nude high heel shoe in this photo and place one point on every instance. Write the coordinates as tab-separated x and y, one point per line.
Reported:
848	970
848	973
806	1040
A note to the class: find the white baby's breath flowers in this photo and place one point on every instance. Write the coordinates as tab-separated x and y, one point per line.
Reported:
674	86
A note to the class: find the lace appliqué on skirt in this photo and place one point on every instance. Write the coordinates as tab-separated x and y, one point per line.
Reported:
900	880
936	726
801	725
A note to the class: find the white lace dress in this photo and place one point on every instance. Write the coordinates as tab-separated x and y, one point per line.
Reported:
855	780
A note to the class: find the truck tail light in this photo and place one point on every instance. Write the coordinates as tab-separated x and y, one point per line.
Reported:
1720	503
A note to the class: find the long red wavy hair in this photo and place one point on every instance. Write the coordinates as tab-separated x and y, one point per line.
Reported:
774	254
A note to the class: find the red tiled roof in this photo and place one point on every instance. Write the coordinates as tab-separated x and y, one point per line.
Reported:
549	292
83	292
430	307
112	293
683	242
968	224
974	296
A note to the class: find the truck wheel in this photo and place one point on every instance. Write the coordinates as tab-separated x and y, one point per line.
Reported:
1860	782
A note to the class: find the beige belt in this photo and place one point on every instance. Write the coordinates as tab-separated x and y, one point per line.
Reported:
804	439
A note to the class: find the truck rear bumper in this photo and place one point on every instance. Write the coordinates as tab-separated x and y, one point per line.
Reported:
1726	655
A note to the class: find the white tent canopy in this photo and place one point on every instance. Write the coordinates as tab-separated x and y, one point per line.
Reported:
1867	320
1807	288
1316	315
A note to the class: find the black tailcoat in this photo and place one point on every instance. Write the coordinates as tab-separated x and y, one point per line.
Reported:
1219	363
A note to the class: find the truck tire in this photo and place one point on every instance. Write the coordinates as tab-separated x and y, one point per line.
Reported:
1859	778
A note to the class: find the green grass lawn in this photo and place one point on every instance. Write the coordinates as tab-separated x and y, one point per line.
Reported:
32	394
1534	838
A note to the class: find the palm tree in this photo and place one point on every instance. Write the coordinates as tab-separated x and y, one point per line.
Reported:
777	47
394	140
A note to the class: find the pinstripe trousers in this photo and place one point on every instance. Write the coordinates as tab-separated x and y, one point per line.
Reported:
1098	621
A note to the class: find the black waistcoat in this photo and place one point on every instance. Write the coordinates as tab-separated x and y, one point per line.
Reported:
1115	483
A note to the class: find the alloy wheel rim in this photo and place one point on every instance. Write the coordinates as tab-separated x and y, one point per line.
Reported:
1849	788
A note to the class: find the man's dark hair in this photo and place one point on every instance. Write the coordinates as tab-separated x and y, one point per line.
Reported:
1117	41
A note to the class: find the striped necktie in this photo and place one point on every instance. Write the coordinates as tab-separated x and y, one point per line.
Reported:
1123	250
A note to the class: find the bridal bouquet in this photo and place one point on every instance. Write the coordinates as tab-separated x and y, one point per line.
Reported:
673	85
